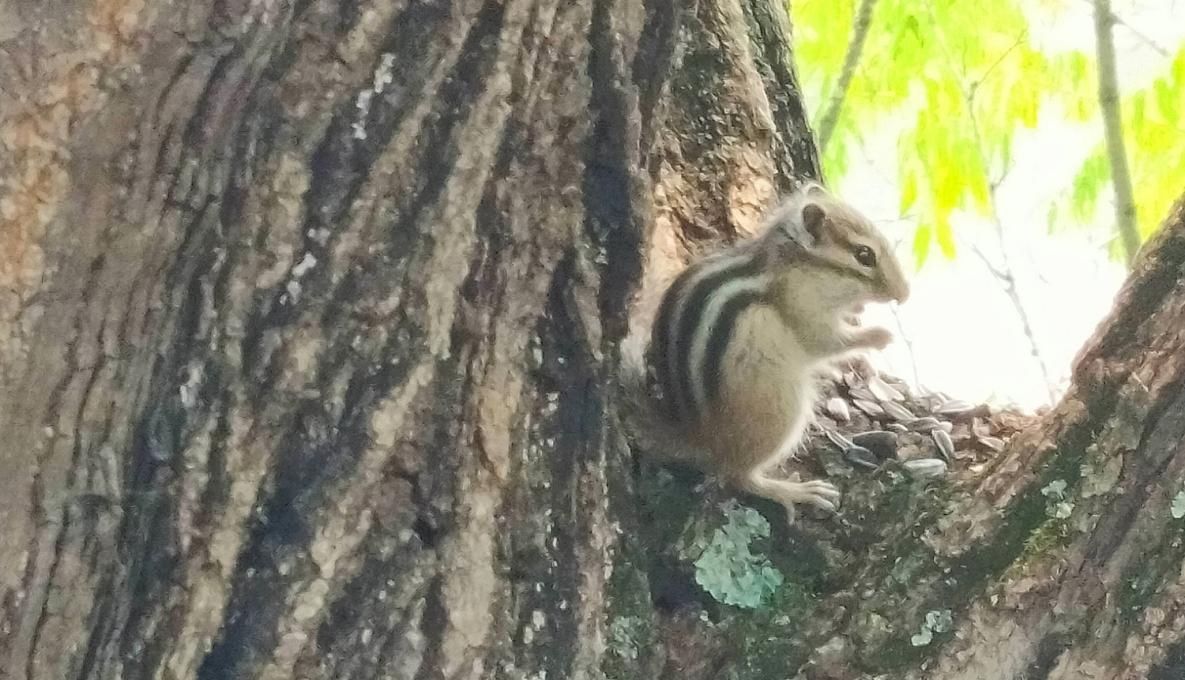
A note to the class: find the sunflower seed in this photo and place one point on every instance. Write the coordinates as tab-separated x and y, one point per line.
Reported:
870	407
954	407
882	444
993	443
911	452
841	442
923	424
945	446
862	393
898	411
925	468
882	390
980	428
838	408
861	457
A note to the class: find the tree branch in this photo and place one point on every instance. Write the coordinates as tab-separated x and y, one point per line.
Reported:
1125	206
860	26
1140	35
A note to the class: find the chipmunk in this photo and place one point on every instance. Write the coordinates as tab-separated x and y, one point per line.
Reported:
741	336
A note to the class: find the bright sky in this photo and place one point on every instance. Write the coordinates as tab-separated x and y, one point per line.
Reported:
964	336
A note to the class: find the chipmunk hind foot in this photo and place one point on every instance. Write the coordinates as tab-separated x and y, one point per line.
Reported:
819	493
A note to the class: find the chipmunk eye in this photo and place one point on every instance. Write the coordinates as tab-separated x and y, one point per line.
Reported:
865	256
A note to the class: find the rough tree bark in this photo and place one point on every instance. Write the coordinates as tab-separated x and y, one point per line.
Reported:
309	315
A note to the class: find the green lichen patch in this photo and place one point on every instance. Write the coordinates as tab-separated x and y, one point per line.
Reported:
1177	507
937	621
627	635
727	567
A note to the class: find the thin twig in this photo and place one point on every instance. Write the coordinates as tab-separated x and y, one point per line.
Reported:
1121	180
987	261
1155	46
999	60
913	359
1141	36
860	26
1003	273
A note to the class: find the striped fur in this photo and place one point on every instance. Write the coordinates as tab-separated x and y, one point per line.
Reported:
739	337
694	326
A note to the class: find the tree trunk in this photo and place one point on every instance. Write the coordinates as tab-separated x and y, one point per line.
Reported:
309	316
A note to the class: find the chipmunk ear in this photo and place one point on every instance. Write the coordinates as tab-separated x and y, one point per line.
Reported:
812	188
813	217
801	216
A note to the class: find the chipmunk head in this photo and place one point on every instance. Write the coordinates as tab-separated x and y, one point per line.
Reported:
813	229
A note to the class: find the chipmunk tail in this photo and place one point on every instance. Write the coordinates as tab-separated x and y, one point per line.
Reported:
649	430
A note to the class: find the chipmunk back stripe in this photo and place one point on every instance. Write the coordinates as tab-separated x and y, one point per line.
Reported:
740	286
721	335
663	357
694	311
661	339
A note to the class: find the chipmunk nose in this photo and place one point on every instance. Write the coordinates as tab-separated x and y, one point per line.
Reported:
896	288
903	293
892	294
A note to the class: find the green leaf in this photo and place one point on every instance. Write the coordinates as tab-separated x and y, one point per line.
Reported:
948	190
914	28
921	245
955	86
1166	99
909	192
946	238
1087	185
